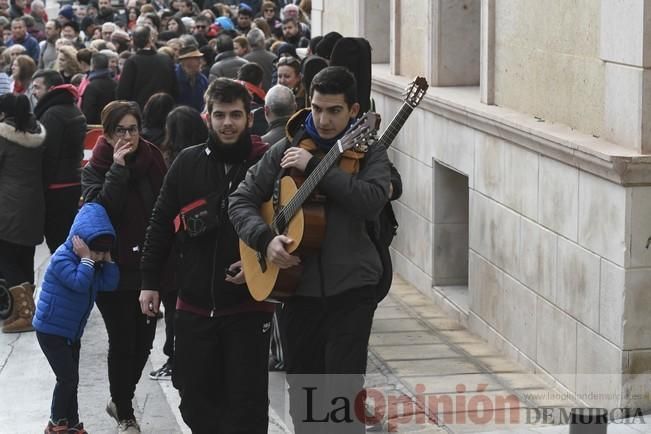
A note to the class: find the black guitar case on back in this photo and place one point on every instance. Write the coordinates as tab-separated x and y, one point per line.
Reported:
355	54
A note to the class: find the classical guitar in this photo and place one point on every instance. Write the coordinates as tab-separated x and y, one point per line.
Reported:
300	221
413	95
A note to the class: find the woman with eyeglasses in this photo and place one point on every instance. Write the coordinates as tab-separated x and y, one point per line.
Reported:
125	174
289	74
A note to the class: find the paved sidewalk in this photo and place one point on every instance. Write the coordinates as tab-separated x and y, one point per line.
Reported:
419	361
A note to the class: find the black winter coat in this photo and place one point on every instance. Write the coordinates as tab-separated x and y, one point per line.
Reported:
145	74
66	131
22	203
99	92
195	174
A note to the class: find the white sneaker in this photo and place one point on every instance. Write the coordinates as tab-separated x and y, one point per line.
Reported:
112	410
129	426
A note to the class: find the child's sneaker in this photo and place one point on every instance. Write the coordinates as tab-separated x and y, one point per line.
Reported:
77	429
61	427
162	373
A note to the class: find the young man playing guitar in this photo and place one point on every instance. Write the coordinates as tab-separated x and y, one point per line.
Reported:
222	334
328	321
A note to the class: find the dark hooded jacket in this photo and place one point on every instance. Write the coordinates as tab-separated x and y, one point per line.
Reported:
70	283
99	92
22	203
128	193
197	173
66	131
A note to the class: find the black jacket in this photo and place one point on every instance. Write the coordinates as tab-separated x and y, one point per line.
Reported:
145	74
99	92
196	174
66	131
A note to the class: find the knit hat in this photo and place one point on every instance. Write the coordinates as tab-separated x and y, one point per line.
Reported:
224	23
67	12
245	9
102	243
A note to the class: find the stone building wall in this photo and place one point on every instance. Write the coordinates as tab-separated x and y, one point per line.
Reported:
528	220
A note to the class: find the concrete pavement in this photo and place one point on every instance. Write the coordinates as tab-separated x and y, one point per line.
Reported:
426	374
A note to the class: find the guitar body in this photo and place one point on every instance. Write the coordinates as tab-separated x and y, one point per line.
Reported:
306	228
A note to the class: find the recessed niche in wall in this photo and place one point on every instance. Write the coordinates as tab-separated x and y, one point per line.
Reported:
450	234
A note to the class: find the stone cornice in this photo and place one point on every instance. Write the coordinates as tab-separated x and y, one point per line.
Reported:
461	104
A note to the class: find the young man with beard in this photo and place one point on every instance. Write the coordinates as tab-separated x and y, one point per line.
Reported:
64	148
222	334
328	320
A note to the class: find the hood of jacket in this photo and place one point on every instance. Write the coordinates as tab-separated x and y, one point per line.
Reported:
32	138
295	123
91	222
58	95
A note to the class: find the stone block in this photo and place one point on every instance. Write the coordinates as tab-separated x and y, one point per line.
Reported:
556	334
489	166
637	319
602	217
407	268
415	142
416	183
611	302
626	32
558	200
537	255
578	283
599	367
453	144
494	232
639	233
486	286
519	324
520	191
627	102
414	237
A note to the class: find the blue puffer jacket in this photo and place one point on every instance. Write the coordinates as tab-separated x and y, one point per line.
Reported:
70	284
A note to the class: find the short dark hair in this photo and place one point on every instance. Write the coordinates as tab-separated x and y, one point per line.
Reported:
113	113
251	73
84	55
202	19
141	37
72	24
245	11
227	90
156	110
50	77
99	61
290	20
224	43
335	80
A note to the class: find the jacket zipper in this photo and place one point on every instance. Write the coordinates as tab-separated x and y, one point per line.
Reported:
212	278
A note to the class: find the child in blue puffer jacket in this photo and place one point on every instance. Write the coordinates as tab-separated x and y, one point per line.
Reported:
78	269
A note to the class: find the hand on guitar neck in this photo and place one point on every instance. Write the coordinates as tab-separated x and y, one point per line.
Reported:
277	254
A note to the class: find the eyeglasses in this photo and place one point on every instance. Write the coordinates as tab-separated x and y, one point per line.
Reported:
199	27
121	131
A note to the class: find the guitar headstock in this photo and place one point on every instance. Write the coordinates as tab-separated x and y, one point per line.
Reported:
361	133
416	91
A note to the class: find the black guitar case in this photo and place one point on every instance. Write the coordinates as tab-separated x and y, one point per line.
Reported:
355	54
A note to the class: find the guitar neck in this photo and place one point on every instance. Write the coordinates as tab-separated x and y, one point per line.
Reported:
396	124
283	217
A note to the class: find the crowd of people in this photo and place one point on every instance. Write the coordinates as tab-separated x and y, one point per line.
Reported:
190	97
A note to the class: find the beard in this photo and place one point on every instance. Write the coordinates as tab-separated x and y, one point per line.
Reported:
232	153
